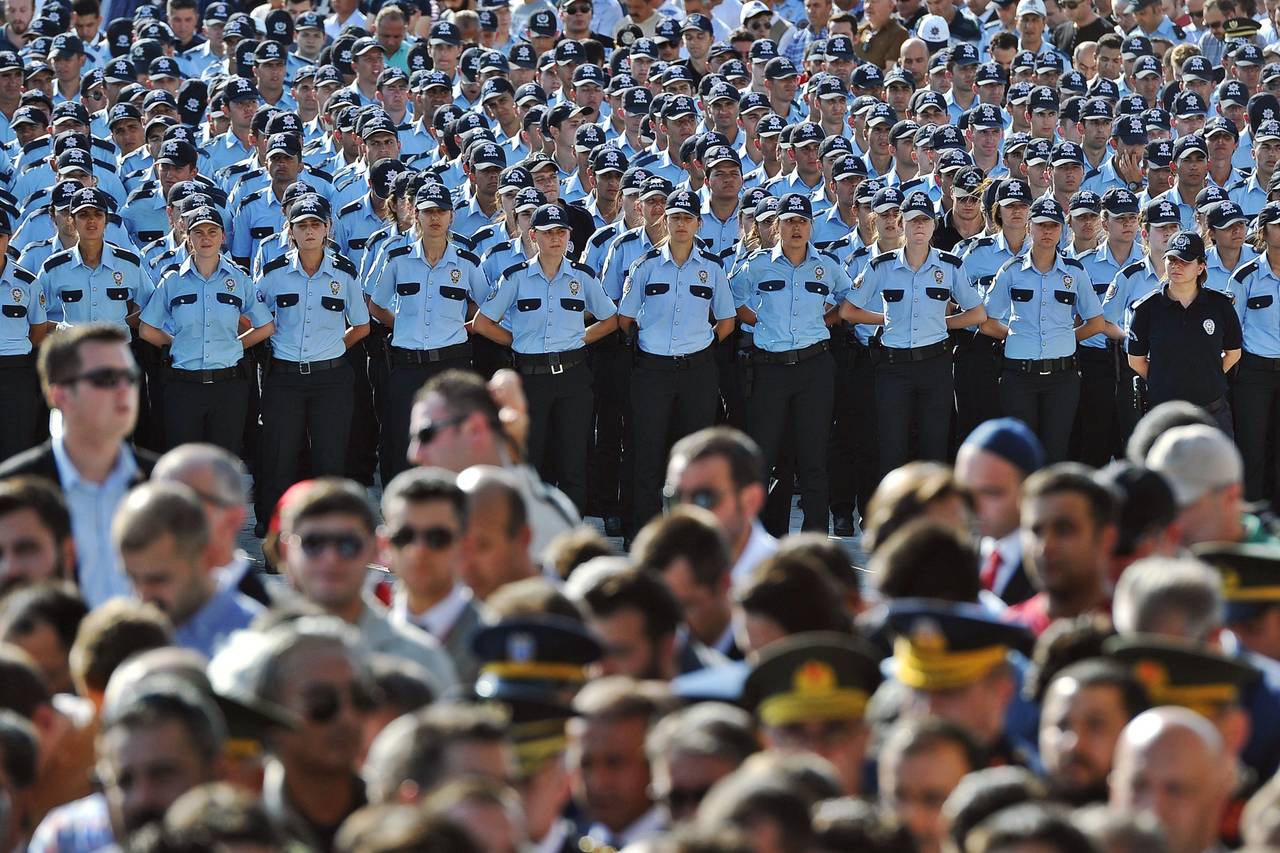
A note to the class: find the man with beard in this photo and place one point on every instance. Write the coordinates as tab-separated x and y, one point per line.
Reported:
17	17
35	533
918	767
635	617
1085	708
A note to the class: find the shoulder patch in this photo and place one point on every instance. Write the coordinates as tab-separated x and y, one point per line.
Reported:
513	268
344	263
35	197
1072	262
56	260
22	275
35	144
275	264
880	259
125	255
505	245
1246	270
468	255
1133	269
604	236
1138	302
349	207
583	268
954	260
105	166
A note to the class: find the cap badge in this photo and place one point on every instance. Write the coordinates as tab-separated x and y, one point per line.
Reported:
926	635
521	647
1209	327
1181	242
1151	674
813	677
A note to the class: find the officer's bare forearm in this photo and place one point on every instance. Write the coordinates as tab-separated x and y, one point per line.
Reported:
1090	327
355	335
975	316
1229	359
253	337
625	323
851	313
38	332
1139	365
1113	331
747	316
491	330
724	328
382	315
993	328
154	336
601	328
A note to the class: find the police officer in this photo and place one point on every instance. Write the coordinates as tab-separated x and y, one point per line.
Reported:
196	310
907	291
319	313
1257	385
789	294
547	300
669	294
423	294
259	215
1041	292
22	326
1183	338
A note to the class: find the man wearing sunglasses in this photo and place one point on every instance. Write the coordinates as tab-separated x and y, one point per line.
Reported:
88	374
327	540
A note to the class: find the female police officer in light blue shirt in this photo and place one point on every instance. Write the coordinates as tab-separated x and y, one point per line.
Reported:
423	293
1042	292
22	326
673	293
320	313
547	300
907	291
196	311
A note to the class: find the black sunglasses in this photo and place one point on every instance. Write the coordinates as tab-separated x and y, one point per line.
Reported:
707	499
577	10
428	432
347	545
435	538
322	702
107	377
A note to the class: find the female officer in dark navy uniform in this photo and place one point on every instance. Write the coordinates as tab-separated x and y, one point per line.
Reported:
1184	337
548	299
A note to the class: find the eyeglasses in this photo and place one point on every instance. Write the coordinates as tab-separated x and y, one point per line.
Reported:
707	499
106	378
347	545
435	538
578	10
323	702
428	432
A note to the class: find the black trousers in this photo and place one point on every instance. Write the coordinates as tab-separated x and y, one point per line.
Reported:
402	386
362	449
560	406
1047	404
733	399
212	413
913	396
26	419
666	405
1257	418
149	432
1096	428
796	400
976	366
297	409
854	453
611	468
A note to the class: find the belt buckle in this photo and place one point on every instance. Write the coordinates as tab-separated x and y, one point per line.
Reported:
304	368
206	377
556	367
792	357
1045	370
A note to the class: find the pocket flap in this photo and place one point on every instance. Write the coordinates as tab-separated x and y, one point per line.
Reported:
656	287
528	304
71	295
451	292
817	287
700	290
332	303
1259	301
183	299
573	305
15	310
286	300
894	295
772	285
938	293
1020	294
230	299
118	294
261	232
357	244
1066	297
408	288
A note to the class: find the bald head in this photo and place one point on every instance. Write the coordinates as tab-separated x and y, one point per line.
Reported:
1173	763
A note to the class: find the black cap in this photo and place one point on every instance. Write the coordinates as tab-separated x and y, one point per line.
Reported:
177	153
795	206
1186	246
549	217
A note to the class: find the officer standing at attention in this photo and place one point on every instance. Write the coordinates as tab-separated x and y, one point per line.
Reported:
1041	292
93	281
1257	386
196	310
907	291
789	294
319	313
669	294
22	327
423	293
548	299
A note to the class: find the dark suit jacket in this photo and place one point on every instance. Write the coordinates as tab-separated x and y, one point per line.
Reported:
39	462
1019	587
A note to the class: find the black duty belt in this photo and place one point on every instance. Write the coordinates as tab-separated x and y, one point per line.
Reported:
1042	366
674	362
205	377
549	362
401	356
17	360
1259	362
899	355
793	356
306	367
1104	354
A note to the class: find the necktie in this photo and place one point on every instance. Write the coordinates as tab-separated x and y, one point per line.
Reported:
990	569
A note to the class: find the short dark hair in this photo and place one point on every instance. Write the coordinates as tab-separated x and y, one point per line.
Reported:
847	823
217	813
535	596
412	748
905	495
57	605
1003	41
163	698
689	533
24	687
40	496
1111	40
746	461
1029	822
640	590
914	736
1074	478
183	4
330	496
395	827
826	553
794	592
424	485
572	548
984	792
18	749
463	392
59	360
87	7
1104	672
112	633
1066	641
927	559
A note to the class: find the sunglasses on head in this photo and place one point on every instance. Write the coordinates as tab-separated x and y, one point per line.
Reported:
323	702
347	545
435	538
427	432
107	377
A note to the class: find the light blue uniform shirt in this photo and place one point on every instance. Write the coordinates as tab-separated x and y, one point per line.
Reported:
21	307
502	255
984	258
1103	268
624	252
469	218
599	244
1131	284
209	627
203	314
354	225
1257	301
1042	307
35	254
721	238
311	312
1250	195
225	150
257	218
1186	212
99	572
671	302
914	302
789	300
76	294
548	315
829	227
1219	276
429	302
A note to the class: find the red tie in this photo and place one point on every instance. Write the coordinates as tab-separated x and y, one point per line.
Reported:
990	569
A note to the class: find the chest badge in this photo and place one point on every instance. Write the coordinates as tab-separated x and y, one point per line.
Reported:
819	272
574	287
42	299
231	285
17	294
455	276
702	275
1067	281
334	287
119	277
1209	327
937	276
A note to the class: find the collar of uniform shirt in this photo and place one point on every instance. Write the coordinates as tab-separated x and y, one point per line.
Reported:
295	265
810	254
1058	264
188	266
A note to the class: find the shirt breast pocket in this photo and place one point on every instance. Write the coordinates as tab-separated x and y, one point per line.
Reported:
894	296
941	294
573	305
182	299
817	287
1259	302
15	311
118	294
230	299
656	288
71	296
700	290
408	288
1020	294
528	304
261	233
332	303
771	286
1064	297
455	293
286	300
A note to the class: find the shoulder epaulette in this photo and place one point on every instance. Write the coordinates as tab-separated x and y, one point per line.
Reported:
56	260
438	168
1008	263
101	143
125	254
1247	270
607	233
513	268
350	207
114	219
954	260
140	193
103	164
166	255
629	237
344	263
583	268
1132	269
712	256
462	239
829	255
863	250
275	264
469	255
1155	292
236	169
36	165
652	253
881	258
320	173
34	197
498	247
22	275
237	265
35	144
250	197
1072	262
172	268
983	241
398	251
1237	185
